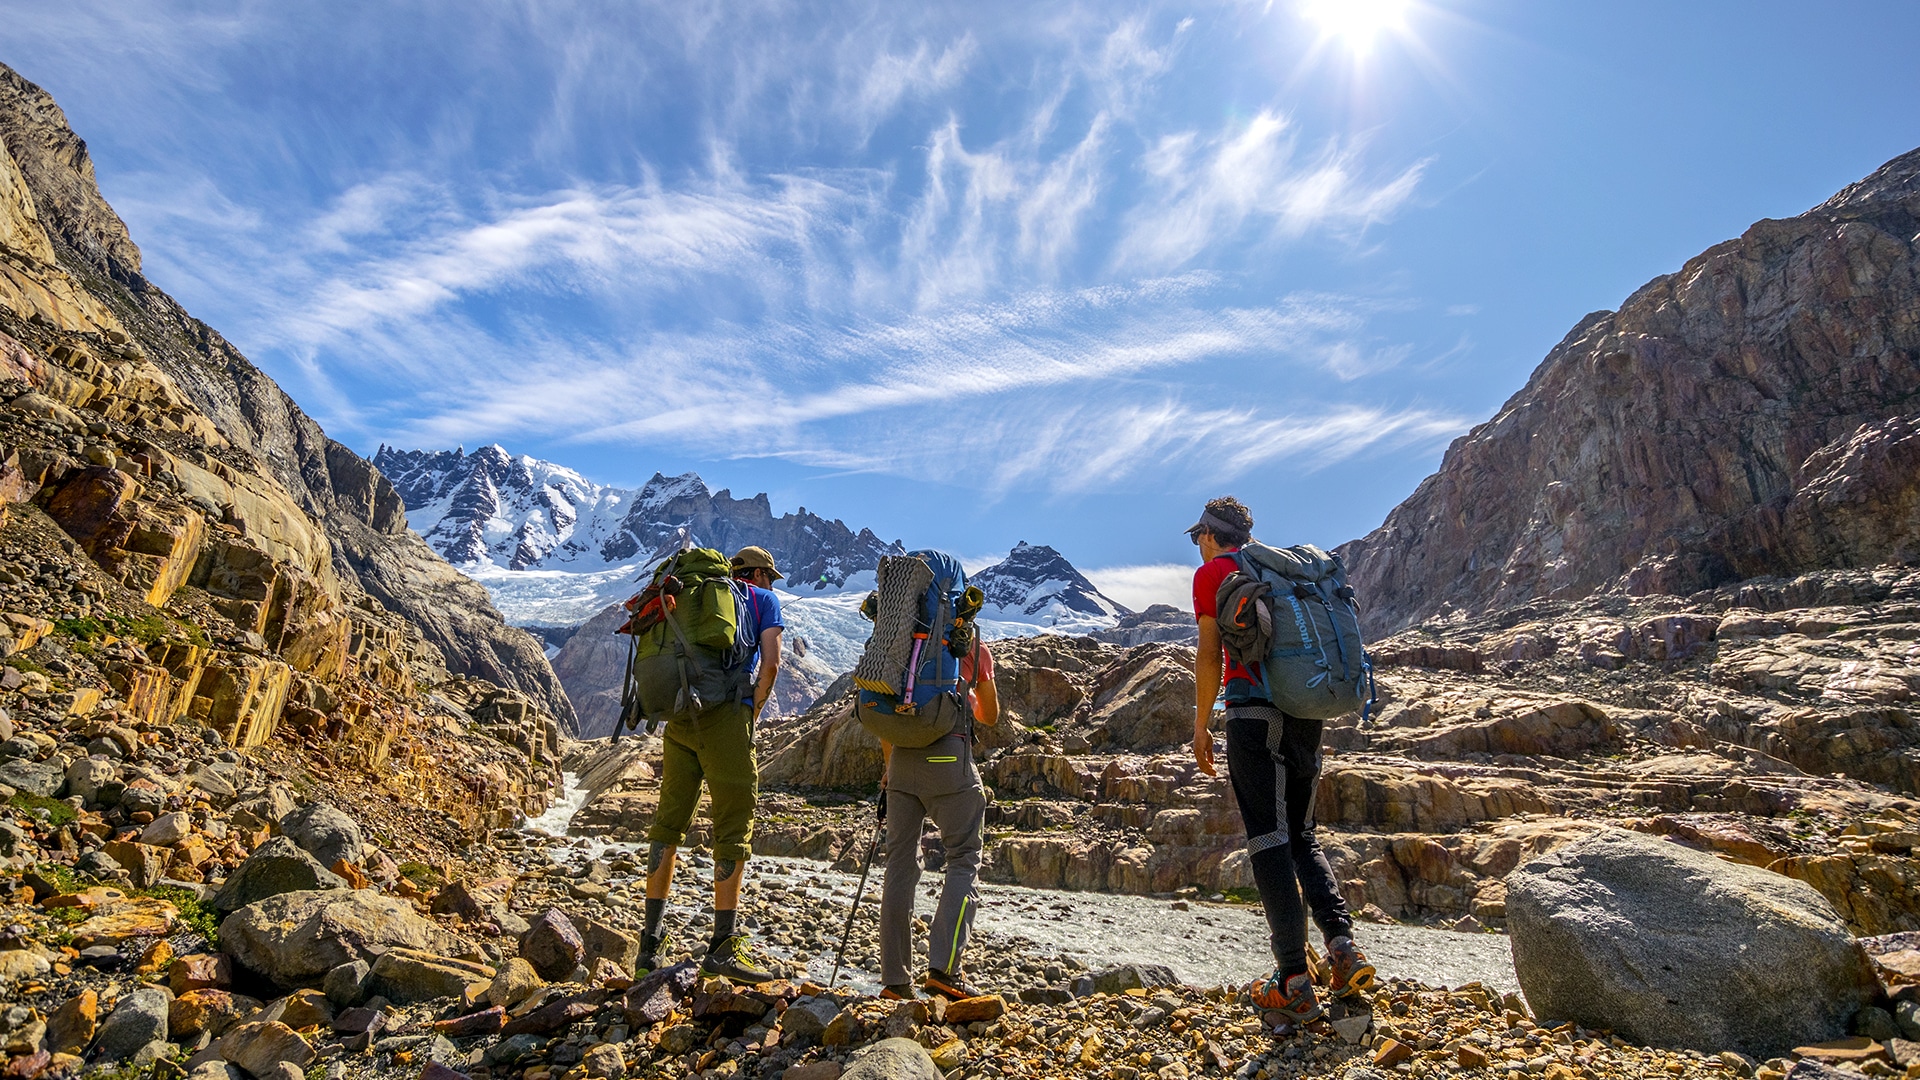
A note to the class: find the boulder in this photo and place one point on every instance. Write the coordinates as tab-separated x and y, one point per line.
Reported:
808	1017
603	941
168	829
1146	701
88	775
211	1011
44	779
1125	977
603	1062
475	901
275	867
260	1045
1673	947
296	938
140	1018
72	1025
200	971
653	998
410	975
515	983
347	985
891	1059
144	863
305	1008
553	945
325	833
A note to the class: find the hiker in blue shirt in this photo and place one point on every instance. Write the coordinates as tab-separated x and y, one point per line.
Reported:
717	750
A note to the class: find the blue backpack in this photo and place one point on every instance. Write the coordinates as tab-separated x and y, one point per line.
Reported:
1289	614
908	676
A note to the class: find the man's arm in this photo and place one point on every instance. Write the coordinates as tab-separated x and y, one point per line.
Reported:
1208	666
986	703
769	667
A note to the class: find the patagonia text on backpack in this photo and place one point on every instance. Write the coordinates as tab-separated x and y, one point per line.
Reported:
686	655
908	677
1289	614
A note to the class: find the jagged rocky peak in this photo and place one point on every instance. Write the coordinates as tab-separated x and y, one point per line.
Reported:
1035	580
1752	414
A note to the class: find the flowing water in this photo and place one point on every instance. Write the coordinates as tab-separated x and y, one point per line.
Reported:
1204	945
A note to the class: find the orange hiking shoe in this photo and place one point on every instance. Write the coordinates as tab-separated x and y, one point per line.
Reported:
1290	996
898	992
949	986
1352	972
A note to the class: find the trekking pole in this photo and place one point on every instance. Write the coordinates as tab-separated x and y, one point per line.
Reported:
847	934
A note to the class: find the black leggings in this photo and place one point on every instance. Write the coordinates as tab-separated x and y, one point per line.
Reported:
1285	864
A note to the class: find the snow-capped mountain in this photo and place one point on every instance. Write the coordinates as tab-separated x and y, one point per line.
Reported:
1035	587
555	548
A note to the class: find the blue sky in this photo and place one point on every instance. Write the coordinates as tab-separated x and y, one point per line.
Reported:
970	273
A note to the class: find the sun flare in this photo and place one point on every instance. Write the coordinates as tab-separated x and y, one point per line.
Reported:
1356	23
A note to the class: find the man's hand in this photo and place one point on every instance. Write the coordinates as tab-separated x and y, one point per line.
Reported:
1203	746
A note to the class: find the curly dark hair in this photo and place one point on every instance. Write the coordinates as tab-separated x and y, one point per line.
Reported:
1229	509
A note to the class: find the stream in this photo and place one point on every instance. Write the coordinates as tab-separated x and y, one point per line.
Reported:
1205	944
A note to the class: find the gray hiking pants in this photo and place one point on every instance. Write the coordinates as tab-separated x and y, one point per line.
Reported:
960	817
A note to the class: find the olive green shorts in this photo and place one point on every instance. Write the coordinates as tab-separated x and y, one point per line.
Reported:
716	747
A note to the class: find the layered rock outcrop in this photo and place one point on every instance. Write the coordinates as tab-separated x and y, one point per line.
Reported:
70	261
184	547
1751	414
1756	722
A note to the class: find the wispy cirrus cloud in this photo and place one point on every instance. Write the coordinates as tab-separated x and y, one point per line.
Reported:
1041	280
1208	188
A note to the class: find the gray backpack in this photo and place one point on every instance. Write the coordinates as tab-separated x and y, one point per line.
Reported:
1288	614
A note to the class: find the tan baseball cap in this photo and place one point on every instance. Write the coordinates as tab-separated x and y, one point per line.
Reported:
755	558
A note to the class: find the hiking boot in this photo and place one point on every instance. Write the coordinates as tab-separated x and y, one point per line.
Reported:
1352	972
1290	996
949	986
732	959
652	951
898	992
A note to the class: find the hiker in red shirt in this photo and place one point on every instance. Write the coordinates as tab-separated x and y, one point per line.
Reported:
1274	789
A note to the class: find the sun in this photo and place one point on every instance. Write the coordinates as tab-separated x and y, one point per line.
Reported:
1357	24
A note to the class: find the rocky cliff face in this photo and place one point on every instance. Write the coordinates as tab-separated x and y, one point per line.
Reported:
80	268
1753	413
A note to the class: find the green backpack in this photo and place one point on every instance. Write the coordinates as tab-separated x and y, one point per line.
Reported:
688	643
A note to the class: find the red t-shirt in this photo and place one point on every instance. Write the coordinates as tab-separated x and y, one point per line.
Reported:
1206	596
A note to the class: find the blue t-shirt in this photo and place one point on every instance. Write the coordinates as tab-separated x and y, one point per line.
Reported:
763	613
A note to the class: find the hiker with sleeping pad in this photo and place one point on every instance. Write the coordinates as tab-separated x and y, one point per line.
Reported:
941	783
716	745
924	680
1273	760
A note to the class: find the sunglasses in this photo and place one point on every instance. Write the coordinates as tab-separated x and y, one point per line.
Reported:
1194	534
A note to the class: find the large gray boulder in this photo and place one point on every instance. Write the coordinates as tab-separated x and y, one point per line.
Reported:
891	1059
296	938
275	867
44	779
1674	947
139	1019
325	833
